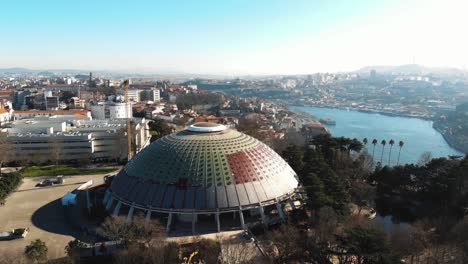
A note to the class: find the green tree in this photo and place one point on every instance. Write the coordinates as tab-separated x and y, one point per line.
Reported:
355	145
367	244
36	251
365	141
8	183
159	128
400	144
391	142
374	142
74	249
384	142
294	156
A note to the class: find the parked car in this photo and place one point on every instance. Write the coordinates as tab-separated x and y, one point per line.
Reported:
45	183
14	234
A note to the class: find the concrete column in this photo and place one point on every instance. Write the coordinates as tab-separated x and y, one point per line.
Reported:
88	200
241	217
148	215
291	202
106	197
194	220
280	210
262	214
117	209
218	225
169	220
109	203
130	214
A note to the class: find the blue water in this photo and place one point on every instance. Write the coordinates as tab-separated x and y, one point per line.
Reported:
417	134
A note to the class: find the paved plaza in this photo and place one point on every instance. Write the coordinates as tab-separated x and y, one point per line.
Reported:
40	210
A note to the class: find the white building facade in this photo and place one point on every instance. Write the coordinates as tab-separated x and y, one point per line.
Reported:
110	110
43	140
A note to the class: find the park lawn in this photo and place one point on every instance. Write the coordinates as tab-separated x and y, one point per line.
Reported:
37	171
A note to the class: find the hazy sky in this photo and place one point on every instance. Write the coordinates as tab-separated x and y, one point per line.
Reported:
234	37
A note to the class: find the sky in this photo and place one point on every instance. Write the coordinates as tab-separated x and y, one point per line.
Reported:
232	37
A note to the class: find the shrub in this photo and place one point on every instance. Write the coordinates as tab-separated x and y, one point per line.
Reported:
36	251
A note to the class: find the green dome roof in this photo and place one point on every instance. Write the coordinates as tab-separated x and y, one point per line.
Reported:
226	167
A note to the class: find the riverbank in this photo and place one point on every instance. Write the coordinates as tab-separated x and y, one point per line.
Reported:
369	111
452	141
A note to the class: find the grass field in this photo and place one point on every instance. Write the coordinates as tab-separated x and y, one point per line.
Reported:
37	171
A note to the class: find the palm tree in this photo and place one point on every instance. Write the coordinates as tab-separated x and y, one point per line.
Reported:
401	145
390	153
384	142
365	141
374	142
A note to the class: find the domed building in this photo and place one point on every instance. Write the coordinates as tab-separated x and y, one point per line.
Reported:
204	171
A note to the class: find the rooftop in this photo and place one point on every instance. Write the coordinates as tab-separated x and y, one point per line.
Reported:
206	127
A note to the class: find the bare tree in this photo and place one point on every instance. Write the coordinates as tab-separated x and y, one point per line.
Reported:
56	148
160	253
292	137
425	158
36	158
237	253
460	233
137	231
84	159
327	223
288	243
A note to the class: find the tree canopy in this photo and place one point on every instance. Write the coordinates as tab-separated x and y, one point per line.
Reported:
159	128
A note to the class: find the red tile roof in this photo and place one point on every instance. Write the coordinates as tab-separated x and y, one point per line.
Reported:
71	111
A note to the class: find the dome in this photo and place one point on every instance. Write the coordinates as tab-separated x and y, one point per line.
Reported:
205	168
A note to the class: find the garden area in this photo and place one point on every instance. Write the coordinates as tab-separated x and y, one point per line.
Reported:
66	170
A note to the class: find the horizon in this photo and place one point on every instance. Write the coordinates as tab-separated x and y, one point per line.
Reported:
241	38
150	73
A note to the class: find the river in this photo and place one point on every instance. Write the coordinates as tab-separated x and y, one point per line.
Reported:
418	135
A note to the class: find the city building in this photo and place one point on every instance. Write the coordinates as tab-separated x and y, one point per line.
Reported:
64	87
52	103
76	103
45	138
227	121
72	114
111	110
89	95
134	95
60	146
137	95
225	112
311	130
19	99
4	115
207	173
109	136
150	95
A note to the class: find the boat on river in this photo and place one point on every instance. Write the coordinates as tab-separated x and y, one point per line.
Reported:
327	121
